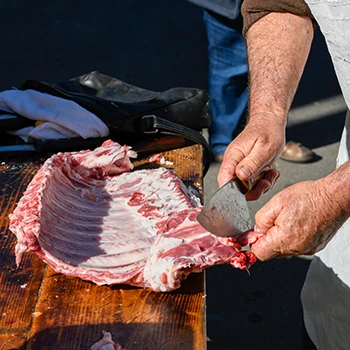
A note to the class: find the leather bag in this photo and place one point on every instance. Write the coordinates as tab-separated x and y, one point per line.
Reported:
135	111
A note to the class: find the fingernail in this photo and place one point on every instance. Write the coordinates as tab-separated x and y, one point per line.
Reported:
274	181
267	189
246	171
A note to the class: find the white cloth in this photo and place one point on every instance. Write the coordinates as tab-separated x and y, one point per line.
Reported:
326	292
63	118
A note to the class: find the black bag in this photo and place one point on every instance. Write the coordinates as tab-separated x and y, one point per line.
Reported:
138	112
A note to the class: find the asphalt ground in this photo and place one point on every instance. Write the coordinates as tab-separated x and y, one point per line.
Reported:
158	45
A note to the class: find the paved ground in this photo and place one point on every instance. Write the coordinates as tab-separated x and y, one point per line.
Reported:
161	44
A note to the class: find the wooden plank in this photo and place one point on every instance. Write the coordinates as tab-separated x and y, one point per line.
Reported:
18	286
186	162
13	341
71	313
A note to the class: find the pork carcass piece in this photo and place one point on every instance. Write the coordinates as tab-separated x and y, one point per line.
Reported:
87	214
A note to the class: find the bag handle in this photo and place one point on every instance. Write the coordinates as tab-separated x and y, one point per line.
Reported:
146	124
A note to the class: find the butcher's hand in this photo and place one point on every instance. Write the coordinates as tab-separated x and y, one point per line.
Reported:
257	147
301	219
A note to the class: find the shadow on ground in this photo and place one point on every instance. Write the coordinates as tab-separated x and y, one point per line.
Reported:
260	310
319	132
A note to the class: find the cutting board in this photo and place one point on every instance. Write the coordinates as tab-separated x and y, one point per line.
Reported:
41	309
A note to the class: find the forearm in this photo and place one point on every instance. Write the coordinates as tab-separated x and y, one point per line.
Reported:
278	47
337	186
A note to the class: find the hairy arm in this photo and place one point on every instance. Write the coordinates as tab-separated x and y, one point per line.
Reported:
278	47
302	218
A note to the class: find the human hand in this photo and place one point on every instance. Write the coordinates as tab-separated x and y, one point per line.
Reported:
257	147
298	220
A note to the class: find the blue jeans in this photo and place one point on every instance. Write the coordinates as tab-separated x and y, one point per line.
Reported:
227	79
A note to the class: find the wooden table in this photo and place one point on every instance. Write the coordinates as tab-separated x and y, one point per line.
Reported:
41	309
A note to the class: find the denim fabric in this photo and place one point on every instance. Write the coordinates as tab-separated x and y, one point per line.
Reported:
227	8
227	80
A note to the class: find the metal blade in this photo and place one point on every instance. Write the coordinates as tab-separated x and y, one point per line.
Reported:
226	214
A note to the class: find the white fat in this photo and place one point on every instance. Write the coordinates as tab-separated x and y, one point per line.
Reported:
165	162
154	267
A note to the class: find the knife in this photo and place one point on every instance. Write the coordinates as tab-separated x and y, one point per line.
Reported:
226	214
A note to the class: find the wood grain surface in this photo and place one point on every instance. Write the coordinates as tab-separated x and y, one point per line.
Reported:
41	309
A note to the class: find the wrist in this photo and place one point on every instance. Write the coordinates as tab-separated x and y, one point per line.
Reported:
337	187
278	119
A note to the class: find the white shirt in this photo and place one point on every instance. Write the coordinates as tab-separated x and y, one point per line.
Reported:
326	292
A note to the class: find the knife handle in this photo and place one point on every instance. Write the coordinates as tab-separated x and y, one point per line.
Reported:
249	185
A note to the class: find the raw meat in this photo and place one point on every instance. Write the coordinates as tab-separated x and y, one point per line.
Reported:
87	214
106	343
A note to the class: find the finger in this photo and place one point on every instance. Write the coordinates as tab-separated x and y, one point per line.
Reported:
265	248
253	163
272	176
264	185
259	189
228	167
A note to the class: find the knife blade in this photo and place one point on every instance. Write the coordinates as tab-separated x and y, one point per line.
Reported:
226	214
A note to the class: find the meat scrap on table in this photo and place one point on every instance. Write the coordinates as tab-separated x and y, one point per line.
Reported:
87	214
158	158
106	343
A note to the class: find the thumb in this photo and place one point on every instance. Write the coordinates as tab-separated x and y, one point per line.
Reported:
266	216
253	163
264	248
265	219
